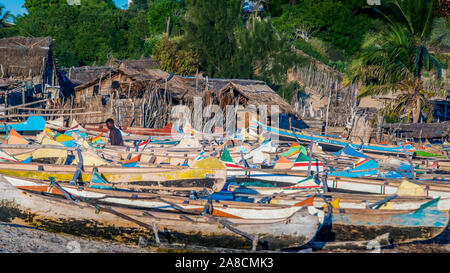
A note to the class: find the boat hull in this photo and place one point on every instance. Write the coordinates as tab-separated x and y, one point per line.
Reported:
402	226
23	207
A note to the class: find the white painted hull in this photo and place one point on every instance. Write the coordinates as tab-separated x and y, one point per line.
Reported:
266	176
377	188
247	213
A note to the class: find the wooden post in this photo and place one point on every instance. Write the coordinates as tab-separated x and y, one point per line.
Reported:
71	110
328	109
290	122
110	83
6	103
168	27
196	82
413	173
79	168
155	231
310	156
99	85
23	95
324	181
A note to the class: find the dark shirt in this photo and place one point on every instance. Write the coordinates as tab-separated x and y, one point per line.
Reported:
116	137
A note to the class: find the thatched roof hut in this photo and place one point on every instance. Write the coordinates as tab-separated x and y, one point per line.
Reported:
80	75
250	92
30	62
247	92
129	81
142	65
143	96
419	130
24	57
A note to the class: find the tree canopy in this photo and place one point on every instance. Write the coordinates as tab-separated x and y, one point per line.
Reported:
219	39
396	60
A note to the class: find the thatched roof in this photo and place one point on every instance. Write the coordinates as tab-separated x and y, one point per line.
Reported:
141	64
254	92
85	74
258	93
80	75
23	56
420	130
141	80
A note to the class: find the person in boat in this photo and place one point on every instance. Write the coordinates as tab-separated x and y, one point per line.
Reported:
115	136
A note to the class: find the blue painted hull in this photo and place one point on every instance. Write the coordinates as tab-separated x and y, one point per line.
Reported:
336	142
402	227
33	124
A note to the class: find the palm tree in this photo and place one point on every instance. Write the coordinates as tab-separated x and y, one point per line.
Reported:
395	60
4	16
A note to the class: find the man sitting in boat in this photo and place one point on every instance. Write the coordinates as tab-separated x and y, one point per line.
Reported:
115	136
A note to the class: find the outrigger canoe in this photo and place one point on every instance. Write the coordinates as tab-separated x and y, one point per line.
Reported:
401	226
165	131
32	125
84	212
333	144
432	188
148	177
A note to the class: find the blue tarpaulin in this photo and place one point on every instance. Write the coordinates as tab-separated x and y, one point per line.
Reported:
351	152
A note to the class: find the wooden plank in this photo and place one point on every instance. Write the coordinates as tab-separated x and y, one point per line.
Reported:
50	115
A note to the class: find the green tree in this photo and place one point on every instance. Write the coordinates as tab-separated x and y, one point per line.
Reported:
276	7
395	61
263	53
139	5
172	58
440	34
6	29
209	31
341	23
4	16
226	47
163	12
86	34
33	5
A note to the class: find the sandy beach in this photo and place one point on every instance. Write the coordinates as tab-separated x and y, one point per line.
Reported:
21	239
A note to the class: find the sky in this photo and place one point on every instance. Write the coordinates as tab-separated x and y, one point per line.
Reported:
15	6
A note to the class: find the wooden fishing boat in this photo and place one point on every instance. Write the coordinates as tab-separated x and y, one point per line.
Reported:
246	188
149	177
32	125
45	208
297	179
332	144
356	201
431	188
160	202
403	226
165	131
249	186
